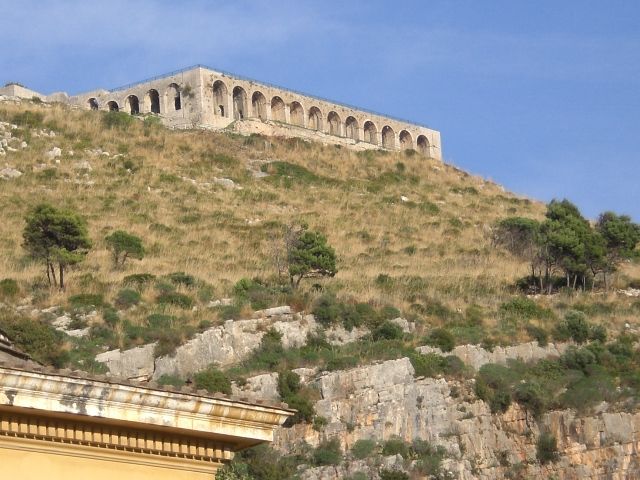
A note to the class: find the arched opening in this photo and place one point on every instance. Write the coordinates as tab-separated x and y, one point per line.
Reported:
113	106
351	128
259	105
370	132
423	145
315	119
296	114
333	119
152	99
173	97
406	140
239	103
133	105
93	104
388	137
220	98
277	110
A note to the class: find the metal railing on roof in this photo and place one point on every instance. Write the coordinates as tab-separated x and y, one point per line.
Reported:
266	84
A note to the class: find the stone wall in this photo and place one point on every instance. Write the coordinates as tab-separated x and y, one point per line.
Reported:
202	97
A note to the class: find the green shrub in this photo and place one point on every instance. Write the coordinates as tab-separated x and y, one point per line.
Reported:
85	301
441	338
524	308
363	449
493	385
578	358
160	321
532	397
127	298
181	278
327	453
213	380
387	331
538	334
546	448
326	310
395	446
167	343
119	120
172	380
342	362
386	474
41	341
110	316
176	299
288	383
598	333
574	326
28	119
319	422
138	281
8	288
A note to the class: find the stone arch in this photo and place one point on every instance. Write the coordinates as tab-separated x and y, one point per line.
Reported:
406	140
334	124
296	114
351	128
259	105
277	110
239	103
220	98
174	98
113	106
388	137
93	104
315	119
132	104
423	145
152	99
370	132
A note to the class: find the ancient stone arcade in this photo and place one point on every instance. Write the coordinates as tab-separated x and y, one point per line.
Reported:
62	425
202	97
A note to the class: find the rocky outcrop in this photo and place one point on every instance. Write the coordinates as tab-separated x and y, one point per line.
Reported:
476	356
385	400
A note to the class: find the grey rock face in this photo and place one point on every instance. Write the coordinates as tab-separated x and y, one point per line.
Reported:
133	363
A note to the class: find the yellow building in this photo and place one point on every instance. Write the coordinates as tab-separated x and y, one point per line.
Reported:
61	425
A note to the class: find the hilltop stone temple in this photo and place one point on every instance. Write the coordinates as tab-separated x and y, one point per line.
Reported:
202	97
65	425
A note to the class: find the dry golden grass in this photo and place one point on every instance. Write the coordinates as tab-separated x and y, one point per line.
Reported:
221	235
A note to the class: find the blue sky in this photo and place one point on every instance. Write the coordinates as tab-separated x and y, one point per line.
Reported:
542	97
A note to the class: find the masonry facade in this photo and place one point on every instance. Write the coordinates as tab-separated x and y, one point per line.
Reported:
202	97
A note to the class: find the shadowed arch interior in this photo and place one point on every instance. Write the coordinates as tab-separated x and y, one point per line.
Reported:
113	106
277	110
423	145
296	114
259	105
351	128
152	99
93	104
333	119
388	137
220	98
239	103
370	132
315	119
174	99
406	140
133	105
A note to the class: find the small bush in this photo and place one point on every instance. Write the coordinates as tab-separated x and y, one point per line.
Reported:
532	397
574	326
176	299
387	331
117	120
538	334
8	288
159	321
213	380
172	380
363	449
127	298
524	308
395	446
327	453
326	310
181	278
41	341
441	338
85	301
386	474
139	281
546	448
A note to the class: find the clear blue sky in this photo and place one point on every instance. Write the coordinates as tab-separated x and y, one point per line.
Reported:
542	97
